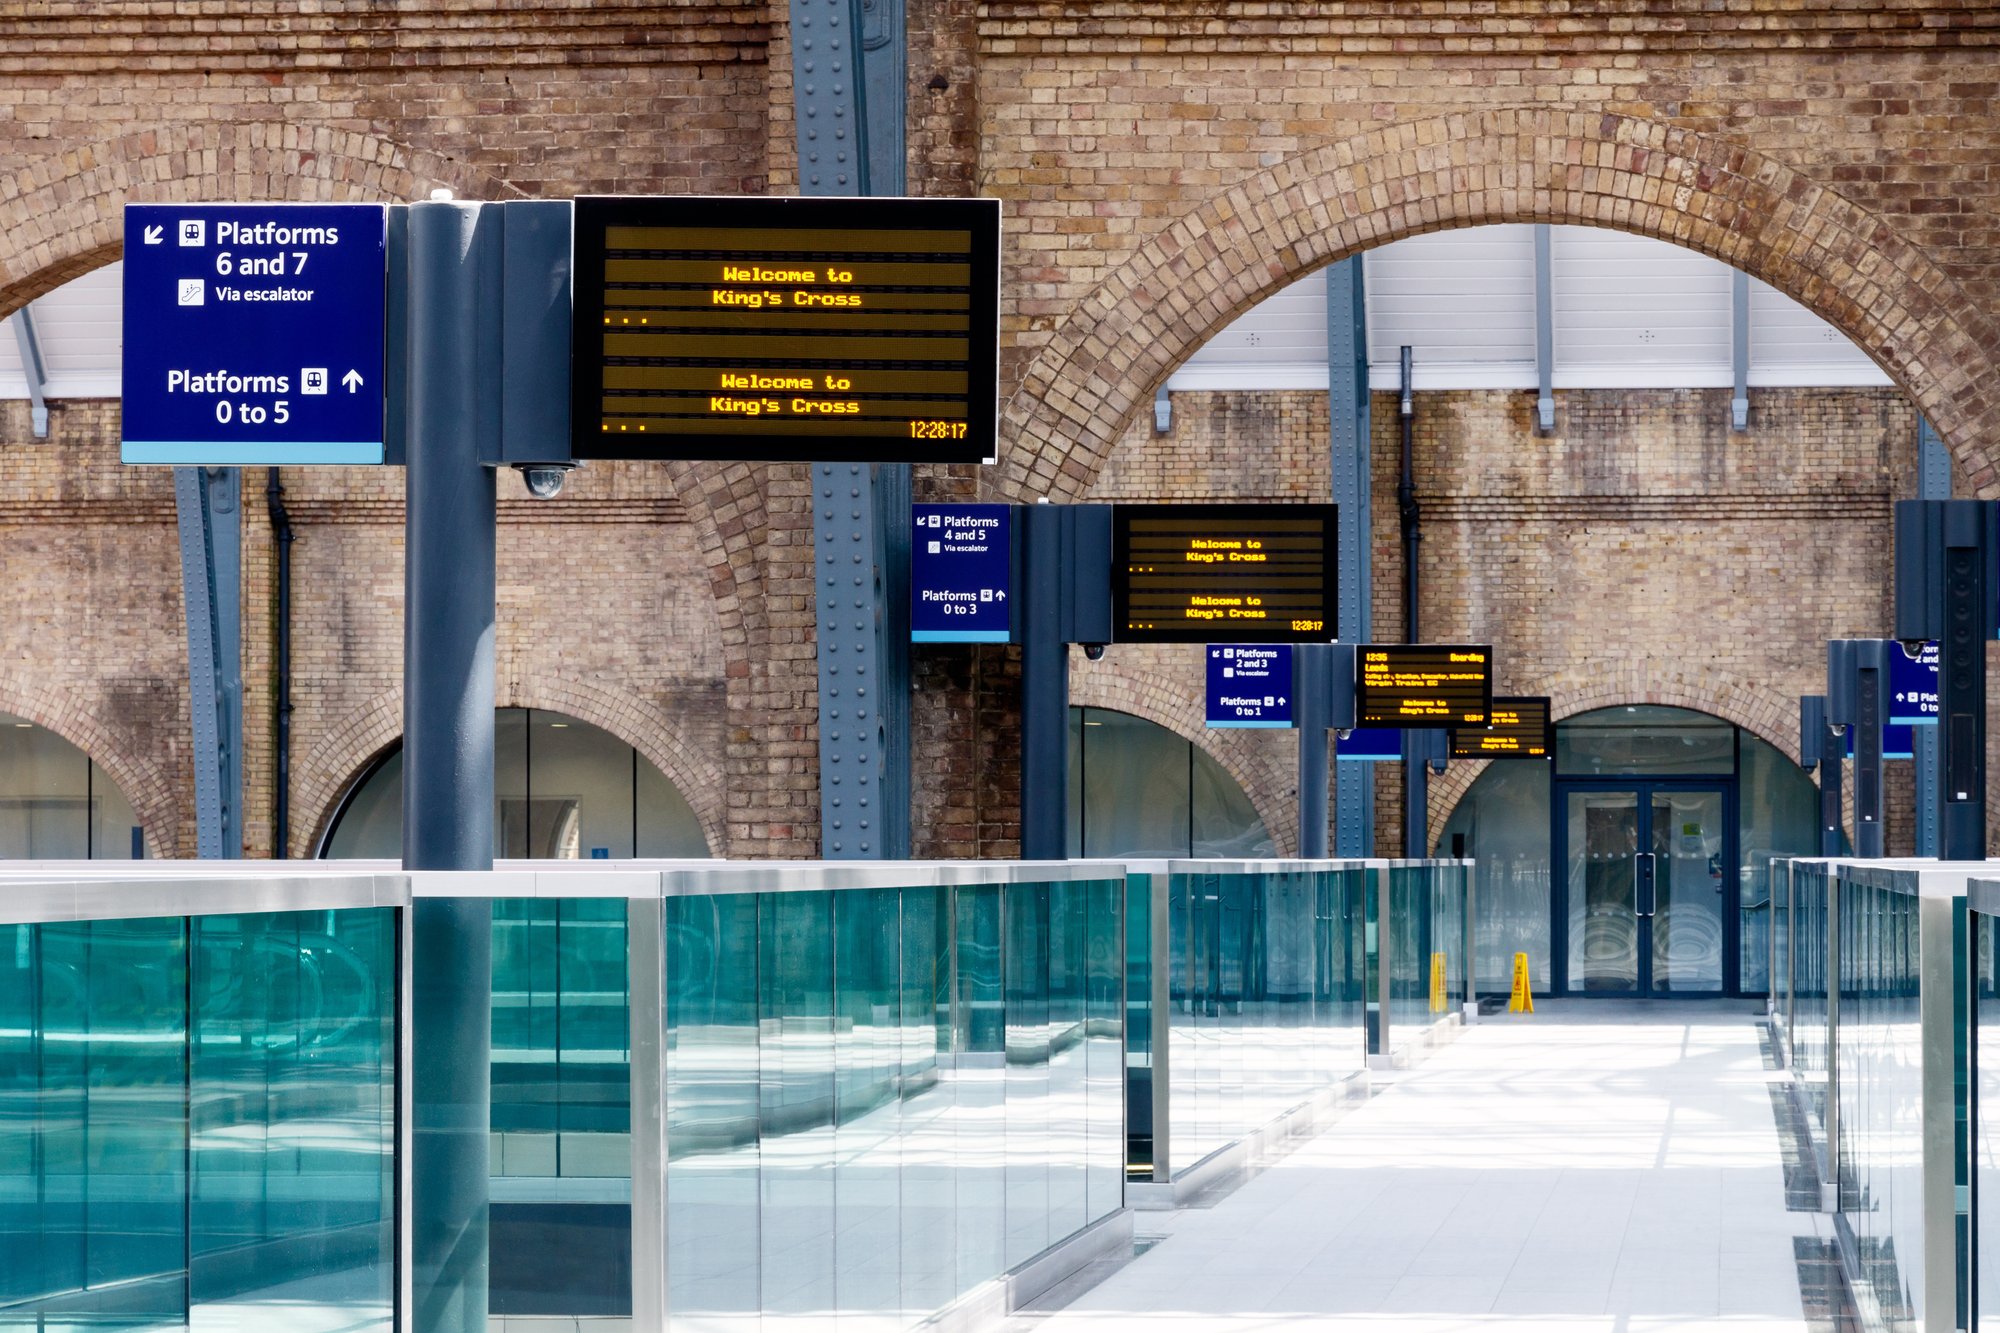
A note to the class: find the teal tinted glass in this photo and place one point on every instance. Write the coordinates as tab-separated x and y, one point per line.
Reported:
197	1121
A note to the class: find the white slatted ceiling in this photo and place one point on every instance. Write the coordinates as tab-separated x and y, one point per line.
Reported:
1279	344
1791	346
1464	300
81	338
1633	313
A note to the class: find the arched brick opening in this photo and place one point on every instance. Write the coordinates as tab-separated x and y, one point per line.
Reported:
1759	709
1166	702
1847	265
152	791
342	759
67	217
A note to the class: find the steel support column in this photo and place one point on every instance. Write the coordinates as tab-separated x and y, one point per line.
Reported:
1545	330
33	369
1739	349
849	70
1349	423
1933	483
208	502
1310	692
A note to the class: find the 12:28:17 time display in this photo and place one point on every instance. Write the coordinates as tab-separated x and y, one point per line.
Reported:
937	430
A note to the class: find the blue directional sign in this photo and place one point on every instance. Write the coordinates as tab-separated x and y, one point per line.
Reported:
1898	742
961	574
1250	685
1913	685
1370	745
253	334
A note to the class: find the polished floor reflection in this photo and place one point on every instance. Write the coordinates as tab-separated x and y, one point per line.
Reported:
1600	1165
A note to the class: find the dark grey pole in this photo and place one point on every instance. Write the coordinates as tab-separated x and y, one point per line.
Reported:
454	353
1832	834
1870	667
1044	688
1965	617
1309	698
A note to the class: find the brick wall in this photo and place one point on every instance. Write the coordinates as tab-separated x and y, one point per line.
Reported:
1164	164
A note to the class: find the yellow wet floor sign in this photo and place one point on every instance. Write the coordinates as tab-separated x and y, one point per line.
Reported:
1523	1001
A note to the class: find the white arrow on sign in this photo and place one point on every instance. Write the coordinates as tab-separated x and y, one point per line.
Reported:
1000	595
153	235
352	379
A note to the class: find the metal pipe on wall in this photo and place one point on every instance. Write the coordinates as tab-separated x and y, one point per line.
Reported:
281	728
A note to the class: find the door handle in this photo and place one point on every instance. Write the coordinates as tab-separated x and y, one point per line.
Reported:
1645	898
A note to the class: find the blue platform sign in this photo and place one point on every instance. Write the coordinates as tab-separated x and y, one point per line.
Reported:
1370	745
253	334
1913	685
1898	742
1249	685
961	574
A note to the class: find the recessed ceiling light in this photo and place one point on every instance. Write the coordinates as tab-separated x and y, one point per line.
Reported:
558	724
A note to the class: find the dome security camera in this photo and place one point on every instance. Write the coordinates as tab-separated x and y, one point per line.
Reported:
545	480
1094	651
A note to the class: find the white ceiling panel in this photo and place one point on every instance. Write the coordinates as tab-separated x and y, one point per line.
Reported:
1278	344
1462	301
1791	346
1637	313
82	340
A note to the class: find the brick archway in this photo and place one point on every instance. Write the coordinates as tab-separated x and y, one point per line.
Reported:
153	792
66	218
326	776
1709	194
1760	709
1165	702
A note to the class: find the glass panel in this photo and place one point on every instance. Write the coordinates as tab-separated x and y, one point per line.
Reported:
1136	799
712	1078
1504	818
796	1055
1689	846
55	802
563	789
1880	1053
1025	964
1986	1120
236	1172
867	1033
1603	829
293	1121
1223	821
981	1074
1069	1085
1139	1061
1778	812
1104	1019
929	1147
1645	740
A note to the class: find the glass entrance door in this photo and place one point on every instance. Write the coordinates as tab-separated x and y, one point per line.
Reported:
1646	877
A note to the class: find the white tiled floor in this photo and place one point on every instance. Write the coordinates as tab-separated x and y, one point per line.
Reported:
1597	1166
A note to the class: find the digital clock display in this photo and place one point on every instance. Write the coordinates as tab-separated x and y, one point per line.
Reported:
833	330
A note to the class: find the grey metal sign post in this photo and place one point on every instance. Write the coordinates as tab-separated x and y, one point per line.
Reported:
1857	686
1945	586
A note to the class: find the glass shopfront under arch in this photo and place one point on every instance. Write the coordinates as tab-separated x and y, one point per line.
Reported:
57	803
563	790
1635	862
1138	789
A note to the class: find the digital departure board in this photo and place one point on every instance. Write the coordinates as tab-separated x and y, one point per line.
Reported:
1420	685
1232	573
1521	730
832	330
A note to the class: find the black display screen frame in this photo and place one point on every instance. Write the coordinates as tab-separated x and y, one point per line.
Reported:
1472	751
595	214
1122	517
1366	713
